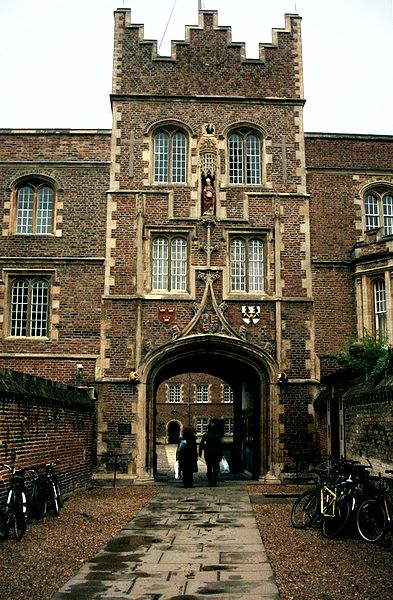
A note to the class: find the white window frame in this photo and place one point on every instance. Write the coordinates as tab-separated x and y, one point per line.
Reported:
174	393
378	211
227	394
228	425
380	308
202	393
202	424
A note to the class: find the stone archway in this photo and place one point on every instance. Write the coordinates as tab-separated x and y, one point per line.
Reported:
246	368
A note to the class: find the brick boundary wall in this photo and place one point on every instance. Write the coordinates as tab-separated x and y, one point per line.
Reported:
41	421
369	428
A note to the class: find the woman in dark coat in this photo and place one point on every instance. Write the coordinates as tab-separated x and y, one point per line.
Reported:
187	456
212	448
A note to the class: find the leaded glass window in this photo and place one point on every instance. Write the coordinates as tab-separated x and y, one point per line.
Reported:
202	424
169	263
247	265
380	308
202	393
372	212
388	214
244	149
174	393
378	210
228	394
29	308
170	157
34	210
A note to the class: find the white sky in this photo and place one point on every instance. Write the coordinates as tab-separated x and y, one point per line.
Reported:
56	56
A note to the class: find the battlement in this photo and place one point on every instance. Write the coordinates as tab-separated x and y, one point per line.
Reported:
207	61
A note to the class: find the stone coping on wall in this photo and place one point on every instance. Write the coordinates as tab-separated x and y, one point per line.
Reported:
24	385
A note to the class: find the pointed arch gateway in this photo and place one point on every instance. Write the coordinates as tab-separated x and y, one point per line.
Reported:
248	369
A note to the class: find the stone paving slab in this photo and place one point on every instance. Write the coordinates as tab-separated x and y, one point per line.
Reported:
199	543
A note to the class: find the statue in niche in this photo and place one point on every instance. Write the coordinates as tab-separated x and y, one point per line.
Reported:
208	195
208	157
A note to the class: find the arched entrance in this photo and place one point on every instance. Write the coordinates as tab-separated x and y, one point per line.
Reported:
247	369
173	432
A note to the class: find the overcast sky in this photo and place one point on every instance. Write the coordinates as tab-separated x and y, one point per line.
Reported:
56	56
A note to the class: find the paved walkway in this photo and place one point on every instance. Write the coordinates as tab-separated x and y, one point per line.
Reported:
190	544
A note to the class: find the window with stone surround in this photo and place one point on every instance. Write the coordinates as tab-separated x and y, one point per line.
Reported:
174	393
202	393
34	202
29	307
244	154
169	263
170	156
227	394
228	425
378	210
246	264
202	424
380	313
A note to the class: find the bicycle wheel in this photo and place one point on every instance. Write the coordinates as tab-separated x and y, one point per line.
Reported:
58	492
54	498
333	526
4	524
304	510
371	521
20	515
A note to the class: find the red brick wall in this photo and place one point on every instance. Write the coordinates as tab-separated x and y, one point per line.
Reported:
41	422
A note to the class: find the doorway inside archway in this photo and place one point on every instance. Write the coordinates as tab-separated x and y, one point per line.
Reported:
173	432
213	382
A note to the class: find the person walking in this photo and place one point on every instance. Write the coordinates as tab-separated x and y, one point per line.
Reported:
187	455
211	446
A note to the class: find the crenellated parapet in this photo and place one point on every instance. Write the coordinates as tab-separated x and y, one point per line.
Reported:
207	62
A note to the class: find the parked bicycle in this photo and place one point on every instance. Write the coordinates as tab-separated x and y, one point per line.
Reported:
375	515
334	499
52	487
14	513
37	502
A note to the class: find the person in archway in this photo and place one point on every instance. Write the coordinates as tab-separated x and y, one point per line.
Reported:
187	455
211	446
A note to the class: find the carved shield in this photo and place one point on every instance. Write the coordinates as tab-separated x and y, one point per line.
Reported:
209	322
251	314
166	314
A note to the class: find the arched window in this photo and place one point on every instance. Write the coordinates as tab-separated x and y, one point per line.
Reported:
380	308
247	265
34	208
378	209
244	151
170	156
29	307
169	264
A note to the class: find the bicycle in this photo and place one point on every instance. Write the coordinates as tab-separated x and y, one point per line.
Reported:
342	506
37	496
15	511
375	515
52	487
328	502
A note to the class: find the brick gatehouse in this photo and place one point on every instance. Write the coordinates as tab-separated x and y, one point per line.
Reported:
205	243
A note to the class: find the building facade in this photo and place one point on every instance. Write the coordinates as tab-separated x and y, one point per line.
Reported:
205	234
